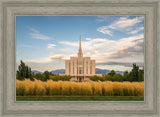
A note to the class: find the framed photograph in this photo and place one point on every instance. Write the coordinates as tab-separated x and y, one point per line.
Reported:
79	58
90	68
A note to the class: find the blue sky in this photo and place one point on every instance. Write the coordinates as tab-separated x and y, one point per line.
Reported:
115	42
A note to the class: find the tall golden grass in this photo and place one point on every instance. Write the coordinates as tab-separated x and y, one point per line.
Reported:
67	88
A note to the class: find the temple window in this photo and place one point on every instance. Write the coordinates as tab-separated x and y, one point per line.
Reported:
80	71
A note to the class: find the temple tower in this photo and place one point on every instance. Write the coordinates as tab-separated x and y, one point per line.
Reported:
80	68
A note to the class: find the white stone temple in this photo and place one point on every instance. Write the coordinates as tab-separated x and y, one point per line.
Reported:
80	68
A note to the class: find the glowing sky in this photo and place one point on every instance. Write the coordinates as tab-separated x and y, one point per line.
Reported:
115	42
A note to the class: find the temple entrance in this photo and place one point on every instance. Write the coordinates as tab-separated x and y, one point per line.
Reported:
80	79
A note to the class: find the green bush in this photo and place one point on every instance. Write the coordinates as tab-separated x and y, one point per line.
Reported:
57	77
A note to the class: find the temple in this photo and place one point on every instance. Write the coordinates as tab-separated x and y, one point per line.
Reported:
80	68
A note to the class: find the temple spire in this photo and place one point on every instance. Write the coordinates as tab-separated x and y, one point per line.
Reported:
80	42
80	54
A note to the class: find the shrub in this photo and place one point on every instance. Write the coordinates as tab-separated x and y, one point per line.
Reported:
57	77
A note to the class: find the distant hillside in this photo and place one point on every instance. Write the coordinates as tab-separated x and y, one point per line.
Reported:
120	72
102	71
98	71
105	71
35	71
58	71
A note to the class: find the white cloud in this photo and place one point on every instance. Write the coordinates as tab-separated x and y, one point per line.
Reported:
105	30
88	39
123	24
58	56
51	46
50	63
132	38
32	29
69	43
106	52
39	36
136	31
48	59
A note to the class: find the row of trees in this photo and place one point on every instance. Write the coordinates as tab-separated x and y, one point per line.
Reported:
48	75
24	71
136	74
42	76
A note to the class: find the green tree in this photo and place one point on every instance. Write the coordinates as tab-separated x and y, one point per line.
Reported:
108	77
134	73
30	74
112	73
65	78
57	77
23	72
46	74
117	77
50	73
95	78
141	75
39	76
126	76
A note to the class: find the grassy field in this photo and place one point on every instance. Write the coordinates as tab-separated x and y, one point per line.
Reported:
78	98
67	88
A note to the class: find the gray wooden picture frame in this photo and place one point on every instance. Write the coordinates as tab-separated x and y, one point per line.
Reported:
9	9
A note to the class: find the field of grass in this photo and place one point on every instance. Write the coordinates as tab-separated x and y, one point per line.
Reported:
78	98
67	88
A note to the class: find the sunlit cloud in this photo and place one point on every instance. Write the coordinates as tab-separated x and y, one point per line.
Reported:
105	30
105	50
51	45
123	24
136	30
50	63
123	52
